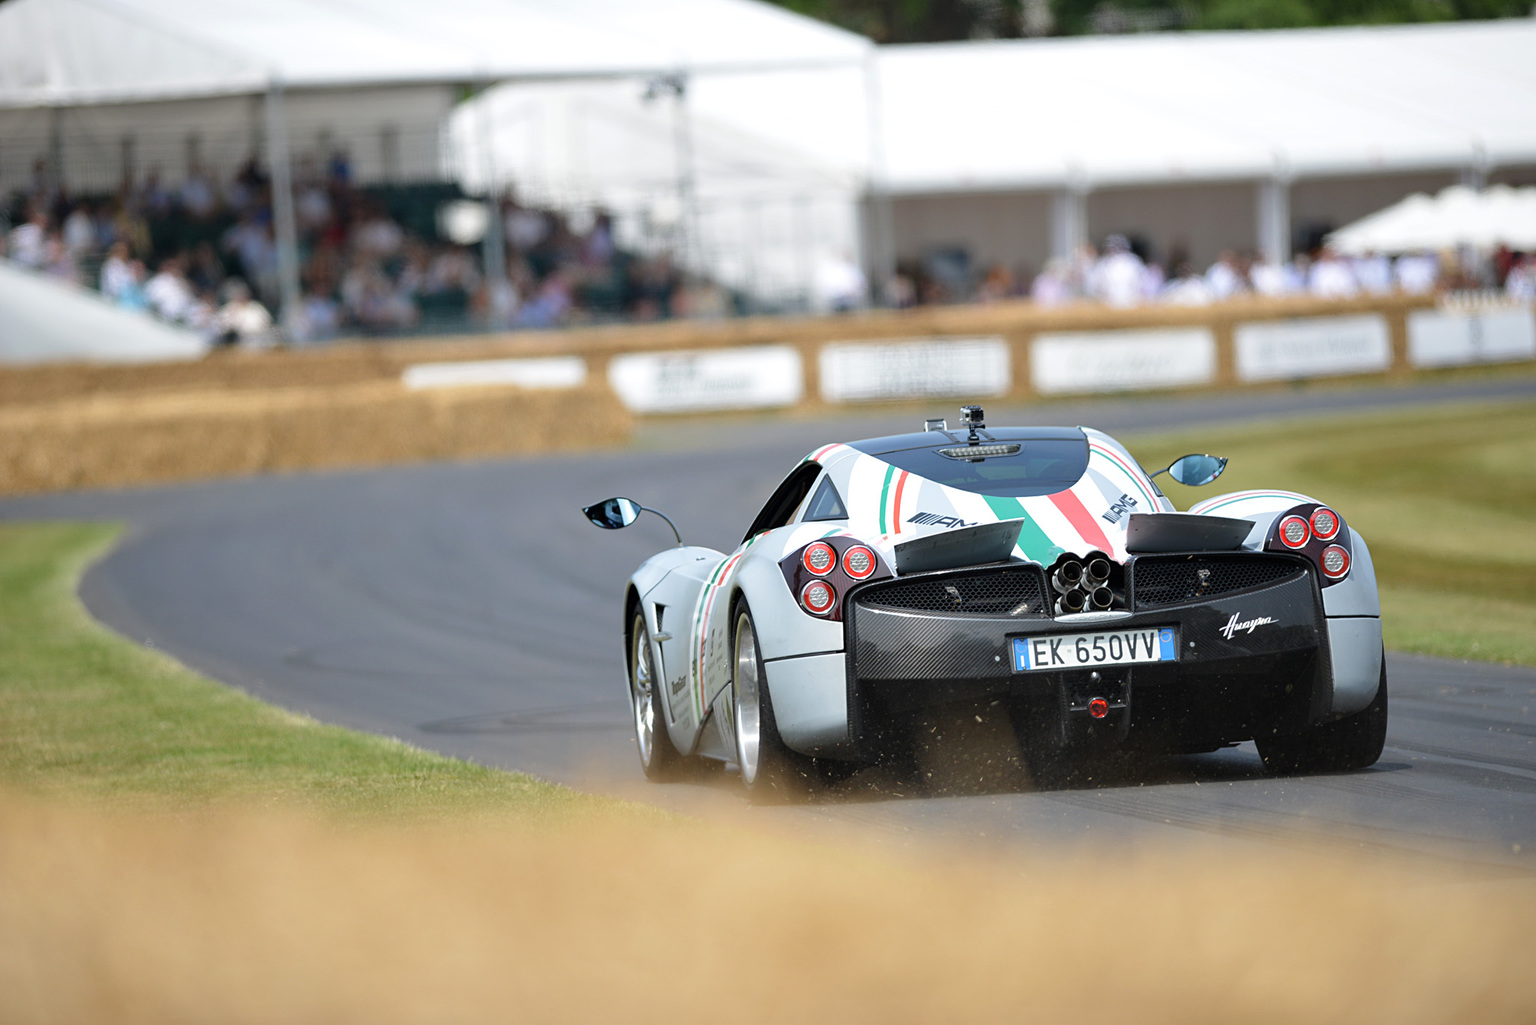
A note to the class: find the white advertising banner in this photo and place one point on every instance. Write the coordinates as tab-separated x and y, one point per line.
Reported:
1454	338
1130	360
553	372
1280	350
678	382
868	371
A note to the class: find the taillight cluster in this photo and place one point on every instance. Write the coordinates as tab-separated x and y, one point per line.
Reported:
821	573
1314	531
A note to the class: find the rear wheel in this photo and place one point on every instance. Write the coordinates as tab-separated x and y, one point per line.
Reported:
770	770
658	757
1352	742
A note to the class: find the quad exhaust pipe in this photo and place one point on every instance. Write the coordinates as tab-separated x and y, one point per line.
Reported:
1083	585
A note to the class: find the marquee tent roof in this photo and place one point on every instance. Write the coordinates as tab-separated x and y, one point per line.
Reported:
1458	216
76	52
1169	106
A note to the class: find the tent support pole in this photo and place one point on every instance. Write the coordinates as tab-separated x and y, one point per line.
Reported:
880	229
1069	221
282	209
1274	215
493	250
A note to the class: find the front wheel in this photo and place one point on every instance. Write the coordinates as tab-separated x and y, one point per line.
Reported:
1352	742
658	757
768	768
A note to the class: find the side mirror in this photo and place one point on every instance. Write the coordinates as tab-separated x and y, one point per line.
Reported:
613	513
1195	470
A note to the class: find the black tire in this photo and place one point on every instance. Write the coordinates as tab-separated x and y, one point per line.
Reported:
658	758
769	769
1352	742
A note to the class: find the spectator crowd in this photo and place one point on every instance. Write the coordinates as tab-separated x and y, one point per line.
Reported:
375	261
372	260
1123	274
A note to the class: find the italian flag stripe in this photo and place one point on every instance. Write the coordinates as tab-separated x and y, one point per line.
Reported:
1115	458
1081	519
1034	542
885	491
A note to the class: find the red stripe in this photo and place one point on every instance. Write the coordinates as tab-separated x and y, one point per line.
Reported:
901	482
1082	520
816	456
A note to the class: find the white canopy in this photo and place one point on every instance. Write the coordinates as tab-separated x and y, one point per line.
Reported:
1203	106
1458	216
75	52
48	321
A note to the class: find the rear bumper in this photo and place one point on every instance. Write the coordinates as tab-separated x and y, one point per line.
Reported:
1247	663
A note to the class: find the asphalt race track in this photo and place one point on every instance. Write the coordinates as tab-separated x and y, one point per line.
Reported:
470	608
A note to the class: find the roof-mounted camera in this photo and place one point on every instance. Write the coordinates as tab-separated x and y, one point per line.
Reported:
973	417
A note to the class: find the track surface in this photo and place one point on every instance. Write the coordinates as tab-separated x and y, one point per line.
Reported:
469	608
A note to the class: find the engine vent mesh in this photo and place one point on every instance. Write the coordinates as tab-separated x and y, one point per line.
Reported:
1160	581
1009	592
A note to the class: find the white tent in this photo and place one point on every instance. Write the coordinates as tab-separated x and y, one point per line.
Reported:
1458	216
100	88
47	320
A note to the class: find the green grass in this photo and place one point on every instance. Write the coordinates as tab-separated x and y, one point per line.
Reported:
1445	498
86	714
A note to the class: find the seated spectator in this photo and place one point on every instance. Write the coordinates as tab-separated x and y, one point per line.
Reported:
1187	287
1117	277
1225	277
838	284
117	274
28	241
1417	273
170	296
1520	282
1275	279
1374	273
1053	285
242	320
1331	278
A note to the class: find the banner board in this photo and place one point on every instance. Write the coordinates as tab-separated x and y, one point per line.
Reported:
1457	338
1280	350
899	369
1129	360
551	372
676	382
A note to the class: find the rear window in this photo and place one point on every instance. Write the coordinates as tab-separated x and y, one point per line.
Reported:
1021	467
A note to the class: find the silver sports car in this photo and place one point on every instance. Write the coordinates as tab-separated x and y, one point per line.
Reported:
1037	569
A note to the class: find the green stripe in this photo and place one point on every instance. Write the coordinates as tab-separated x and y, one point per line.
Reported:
885	489
1036	544
1245	498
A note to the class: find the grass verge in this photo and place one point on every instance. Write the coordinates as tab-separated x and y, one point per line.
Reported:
86	714
1445	497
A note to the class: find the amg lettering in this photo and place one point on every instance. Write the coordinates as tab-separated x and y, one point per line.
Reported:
935	520
1119	509
1235	625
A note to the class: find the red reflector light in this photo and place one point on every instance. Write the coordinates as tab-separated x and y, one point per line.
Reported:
1098	708
1335	562
858	562
818	597
1294	532
1324	524
819	558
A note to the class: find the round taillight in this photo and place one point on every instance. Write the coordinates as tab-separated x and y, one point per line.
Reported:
819	558
1294	532
1098	708
1325	524
858	562
1335	562
818	597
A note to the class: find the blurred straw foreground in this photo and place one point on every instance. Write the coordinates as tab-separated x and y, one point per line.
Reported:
246	916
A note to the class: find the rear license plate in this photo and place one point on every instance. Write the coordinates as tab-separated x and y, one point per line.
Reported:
1105	648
